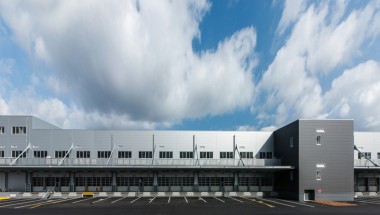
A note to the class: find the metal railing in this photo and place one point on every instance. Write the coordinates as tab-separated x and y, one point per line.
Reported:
137	162
366	163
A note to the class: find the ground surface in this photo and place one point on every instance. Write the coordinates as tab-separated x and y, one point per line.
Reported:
181	205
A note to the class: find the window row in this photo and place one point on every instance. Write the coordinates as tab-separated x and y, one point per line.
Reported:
367	155
15	130
148	181
19	130
51	181
149	154
265	155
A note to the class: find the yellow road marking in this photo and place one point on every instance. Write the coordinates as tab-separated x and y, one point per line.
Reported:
4	198
49	202
261	202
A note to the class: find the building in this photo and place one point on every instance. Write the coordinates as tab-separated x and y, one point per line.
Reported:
305	160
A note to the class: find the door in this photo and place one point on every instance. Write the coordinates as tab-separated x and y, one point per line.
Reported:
309	195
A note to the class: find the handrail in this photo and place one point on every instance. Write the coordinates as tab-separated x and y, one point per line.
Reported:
15	160
362	155
67	153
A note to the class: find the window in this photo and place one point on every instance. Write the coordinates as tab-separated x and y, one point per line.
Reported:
228	181
83	154
243	181
175	181
106	181
318	140
269	155
133	181
93	181
262	155
203	181
166	154
15	154
319	175
60	154
80	181
1	154
40	154
226	155
104	154
19	130
291	142
378	155
246	154
38	181
265	155
186	155
372	181
147	181
122	181
2	130
163	181
254	181
215	181
361	182
50	181
124	154
187	181
364	155
65	181
146	154
206	155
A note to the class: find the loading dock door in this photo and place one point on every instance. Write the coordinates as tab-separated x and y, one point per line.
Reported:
309	195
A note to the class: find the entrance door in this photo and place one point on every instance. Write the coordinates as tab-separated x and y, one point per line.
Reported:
309	195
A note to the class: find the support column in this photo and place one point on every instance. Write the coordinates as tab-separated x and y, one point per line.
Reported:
72	181
6	181
196	185
236	181
29	187
155	181
114	184
260	177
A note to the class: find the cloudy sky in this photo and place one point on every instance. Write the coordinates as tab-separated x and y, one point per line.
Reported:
193	65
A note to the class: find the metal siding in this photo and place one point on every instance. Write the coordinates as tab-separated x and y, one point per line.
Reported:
335	151
289	156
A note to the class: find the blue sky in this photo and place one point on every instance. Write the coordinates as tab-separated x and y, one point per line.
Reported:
190	65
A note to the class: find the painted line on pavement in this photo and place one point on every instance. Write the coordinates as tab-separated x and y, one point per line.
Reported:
152	200
82	200
135	199
260	202
297	203
279	203
200	198
53	202
219	199
118	200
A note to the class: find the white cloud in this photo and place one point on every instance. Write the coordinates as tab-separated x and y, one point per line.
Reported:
292	10
320	42
355	94
134	59
58	113
246	128
269	128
